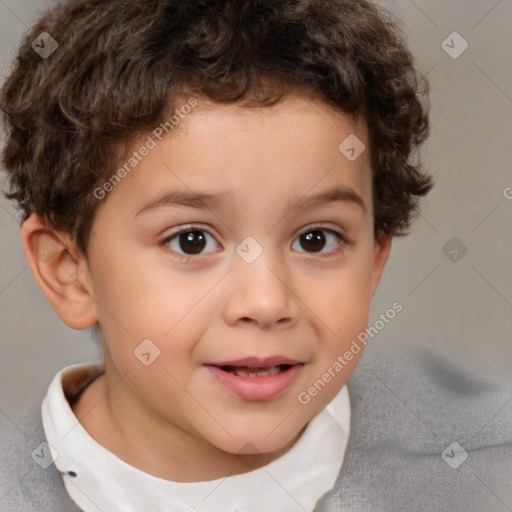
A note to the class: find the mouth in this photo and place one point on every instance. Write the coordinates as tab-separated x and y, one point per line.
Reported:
257	363
256	379
245	371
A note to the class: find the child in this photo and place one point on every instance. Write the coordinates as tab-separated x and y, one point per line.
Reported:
274	138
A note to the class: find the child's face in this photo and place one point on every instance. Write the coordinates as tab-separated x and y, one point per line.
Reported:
244	283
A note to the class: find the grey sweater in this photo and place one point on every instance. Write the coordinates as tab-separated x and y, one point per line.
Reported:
426	435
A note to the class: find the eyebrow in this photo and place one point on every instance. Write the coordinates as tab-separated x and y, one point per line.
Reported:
340	193
202	200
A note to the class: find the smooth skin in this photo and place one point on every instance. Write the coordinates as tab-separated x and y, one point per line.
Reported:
303	298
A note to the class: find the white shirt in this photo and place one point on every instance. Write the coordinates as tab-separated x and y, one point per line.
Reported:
100	481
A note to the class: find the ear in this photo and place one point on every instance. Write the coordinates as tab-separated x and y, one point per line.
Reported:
381	254
60	271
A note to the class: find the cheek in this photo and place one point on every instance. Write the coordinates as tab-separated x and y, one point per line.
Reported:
137	302
345	299
343	306
347	323
140	293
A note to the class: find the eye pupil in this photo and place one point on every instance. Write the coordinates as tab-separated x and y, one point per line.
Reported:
313	238
192	242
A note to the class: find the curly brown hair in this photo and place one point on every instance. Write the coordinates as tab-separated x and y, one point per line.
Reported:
121	66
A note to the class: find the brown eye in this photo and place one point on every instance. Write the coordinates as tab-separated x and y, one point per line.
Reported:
191	242
316	239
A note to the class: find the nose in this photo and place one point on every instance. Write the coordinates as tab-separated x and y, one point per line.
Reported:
261	293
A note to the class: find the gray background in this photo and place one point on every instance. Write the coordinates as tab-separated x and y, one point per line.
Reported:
463	308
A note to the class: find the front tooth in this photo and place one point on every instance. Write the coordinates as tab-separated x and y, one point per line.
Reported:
274	370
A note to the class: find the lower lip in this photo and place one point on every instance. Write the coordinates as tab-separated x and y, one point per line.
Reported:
266	387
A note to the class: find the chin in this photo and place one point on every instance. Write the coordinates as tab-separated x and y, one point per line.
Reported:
255	441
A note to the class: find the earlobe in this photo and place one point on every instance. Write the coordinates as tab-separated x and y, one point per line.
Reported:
382	250
60	271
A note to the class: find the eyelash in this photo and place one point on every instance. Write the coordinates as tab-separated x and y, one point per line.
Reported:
342	240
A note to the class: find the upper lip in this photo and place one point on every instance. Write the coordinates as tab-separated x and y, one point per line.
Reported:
256	362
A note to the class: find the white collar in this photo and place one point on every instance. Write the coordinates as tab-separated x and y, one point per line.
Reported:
103	482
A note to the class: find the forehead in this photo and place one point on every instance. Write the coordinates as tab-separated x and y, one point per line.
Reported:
241	153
